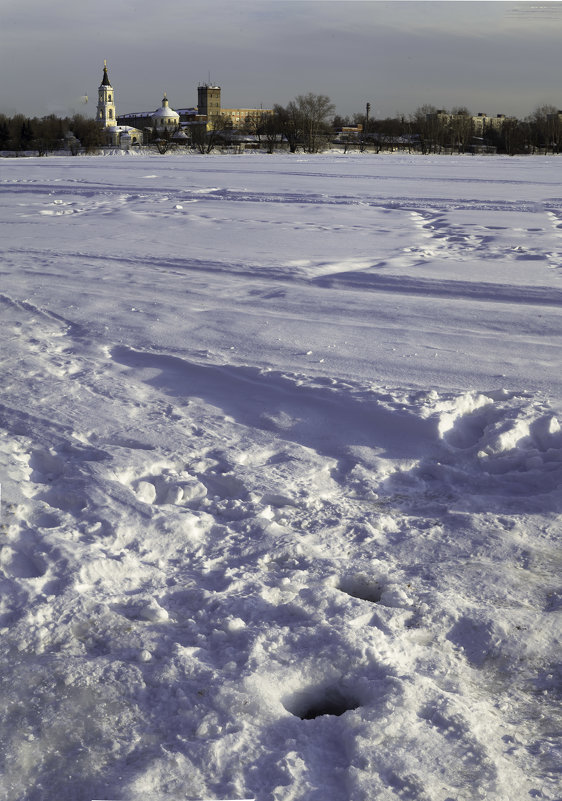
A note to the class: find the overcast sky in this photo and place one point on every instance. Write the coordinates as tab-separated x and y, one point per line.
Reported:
493	57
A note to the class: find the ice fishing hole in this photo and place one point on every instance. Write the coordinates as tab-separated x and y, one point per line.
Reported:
362	587
314	703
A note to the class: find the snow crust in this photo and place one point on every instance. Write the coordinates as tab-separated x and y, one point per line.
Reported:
280	455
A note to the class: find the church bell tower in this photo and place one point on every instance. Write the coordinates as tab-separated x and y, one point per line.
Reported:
105	114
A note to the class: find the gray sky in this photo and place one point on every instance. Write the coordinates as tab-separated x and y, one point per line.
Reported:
494	57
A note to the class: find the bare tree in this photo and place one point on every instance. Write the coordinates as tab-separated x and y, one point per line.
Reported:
461	128
206	137
545	127
389	132
425	124
514	137
304	121
314	111
198	132
289	124
272	131
255	125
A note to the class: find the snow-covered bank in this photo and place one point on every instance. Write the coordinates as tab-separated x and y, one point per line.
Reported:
280	436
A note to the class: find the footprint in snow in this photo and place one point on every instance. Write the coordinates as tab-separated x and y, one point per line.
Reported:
17	564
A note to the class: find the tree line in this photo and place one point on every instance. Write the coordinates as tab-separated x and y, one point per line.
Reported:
431	131
304	123
48	134
309	123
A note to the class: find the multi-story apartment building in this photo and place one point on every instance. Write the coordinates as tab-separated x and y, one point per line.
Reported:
482	121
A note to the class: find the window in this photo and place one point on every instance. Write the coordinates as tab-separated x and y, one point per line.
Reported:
110	113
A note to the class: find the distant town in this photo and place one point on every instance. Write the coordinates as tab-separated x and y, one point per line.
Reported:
308	123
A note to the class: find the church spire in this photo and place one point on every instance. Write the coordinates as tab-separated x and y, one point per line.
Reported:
105	79
106	111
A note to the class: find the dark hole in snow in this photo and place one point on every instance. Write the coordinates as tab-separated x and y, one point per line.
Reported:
327	701
362	587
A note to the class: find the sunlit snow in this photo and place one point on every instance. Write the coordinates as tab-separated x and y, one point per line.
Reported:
281	460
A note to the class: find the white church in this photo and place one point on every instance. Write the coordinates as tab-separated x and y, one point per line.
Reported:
163	120
123	136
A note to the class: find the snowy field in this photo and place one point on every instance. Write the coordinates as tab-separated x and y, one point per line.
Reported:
281	469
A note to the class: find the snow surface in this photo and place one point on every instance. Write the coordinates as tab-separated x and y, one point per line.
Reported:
279	436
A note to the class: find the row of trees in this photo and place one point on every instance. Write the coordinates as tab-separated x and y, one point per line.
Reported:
49	133
309	122
431	132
